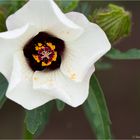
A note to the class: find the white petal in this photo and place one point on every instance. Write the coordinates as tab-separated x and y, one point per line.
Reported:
14	33
47	16
10	41
85	51
61	87
78	18
20	87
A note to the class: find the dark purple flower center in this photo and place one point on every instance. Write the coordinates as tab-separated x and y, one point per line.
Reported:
44	52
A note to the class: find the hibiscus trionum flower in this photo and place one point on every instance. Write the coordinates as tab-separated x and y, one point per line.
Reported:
48	55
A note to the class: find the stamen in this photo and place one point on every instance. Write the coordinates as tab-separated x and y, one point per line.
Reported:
46	64
55	56
36	58
44	52
51	46
39	44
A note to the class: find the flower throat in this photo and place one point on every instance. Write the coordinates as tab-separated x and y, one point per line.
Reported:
44	52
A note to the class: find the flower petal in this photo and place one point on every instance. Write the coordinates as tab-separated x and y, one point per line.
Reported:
78	18
10	41
47	16
85	51
70	92
20	87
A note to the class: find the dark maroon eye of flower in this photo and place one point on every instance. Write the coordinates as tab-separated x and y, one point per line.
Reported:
44	52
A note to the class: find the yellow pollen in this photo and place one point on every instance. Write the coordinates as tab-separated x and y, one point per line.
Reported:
45	54
35	78
37	48
55	56
46	64
51	45
36	58
73	76
39	44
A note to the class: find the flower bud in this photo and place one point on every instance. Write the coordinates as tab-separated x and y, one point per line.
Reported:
115	21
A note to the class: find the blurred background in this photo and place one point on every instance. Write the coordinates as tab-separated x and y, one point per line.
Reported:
121	86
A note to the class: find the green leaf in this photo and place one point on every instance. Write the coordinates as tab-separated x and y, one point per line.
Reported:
117	54
4	1
85	7
115	21
96	111
67	5
15	5
11	6
27	135
60	105
2	22
36	119
102	65
3	89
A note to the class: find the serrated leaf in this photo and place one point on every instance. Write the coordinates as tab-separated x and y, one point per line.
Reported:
96	111
115	21
3	88
67	5
127	55
60	105
37	118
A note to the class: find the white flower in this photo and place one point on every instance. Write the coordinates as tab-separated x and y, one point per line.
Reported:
48	55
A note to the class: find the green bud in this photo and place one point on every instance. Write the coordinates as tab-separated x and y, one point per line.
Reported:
115	21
